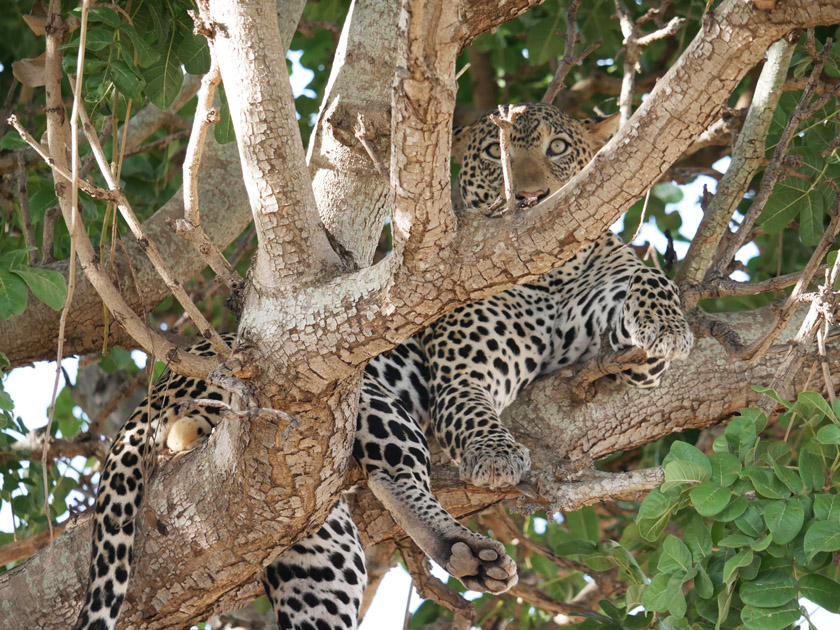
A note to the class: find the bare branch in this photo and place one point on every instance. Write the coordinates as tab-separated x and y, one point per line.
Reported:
569	60
747	158
29	546
634	41
190	227
760	345
361	134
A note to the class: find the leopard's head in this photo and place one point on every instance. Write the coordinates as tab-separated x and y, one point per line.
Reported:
547	149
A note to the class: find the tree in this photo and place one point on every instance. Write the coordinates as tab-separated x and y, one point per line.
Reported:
314	308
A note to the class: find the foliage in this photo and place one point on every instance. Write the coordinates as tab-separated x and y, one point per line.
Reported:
731	539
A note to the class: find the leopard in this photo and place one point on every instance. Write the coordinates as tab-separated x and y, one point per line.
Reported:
451	380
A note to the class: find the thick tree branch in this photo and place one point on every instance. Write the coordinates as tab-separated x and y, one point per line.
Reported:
293	247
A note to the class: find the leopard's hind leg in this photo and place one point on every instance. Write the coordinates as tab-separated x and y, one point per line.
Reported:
394	454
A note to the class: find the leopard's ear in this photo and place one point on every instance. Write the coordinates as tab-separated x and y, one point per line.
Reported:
601	129
460	137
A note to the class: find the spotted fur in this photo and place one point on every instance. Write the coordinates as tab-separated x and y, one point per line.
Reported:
457	376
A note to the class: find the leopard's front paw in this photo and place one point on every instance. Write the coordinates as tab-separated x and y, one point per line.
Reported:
494	465
653	319
667	337
482	565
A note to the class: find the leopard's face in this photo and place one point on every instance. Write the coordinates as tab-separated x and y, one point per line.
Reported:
547	149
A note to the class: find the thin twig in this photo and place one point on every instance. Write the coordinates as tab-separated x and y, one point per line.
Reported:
75	223
183	362
190	226
50	215
90	189
204	327
775	167
505	120
641	217
160	142
758	347
429	587
724	287
569	60
634	41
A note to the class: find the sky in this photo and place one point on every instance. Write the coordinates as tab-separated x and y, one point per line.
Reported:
30	389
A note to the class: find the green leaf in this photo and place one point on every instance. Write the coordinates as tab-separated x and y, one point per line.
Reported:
655	504
97	39
13	296
812	467
105	15
675	556
821	590
680	472
4	361
815	399
772	394
426	613
45	284
127	80
543	42
703	584
736	508
583	523
821	536
697	539
770	618
811	213
685	452
829	434
676	598
765	483
725	468
741	559
734	541
740	436
784	519
223	130
756	416
12	140
709	498
789	477
769	589
827	507
655	597
146	54
194	53
163	79
782	206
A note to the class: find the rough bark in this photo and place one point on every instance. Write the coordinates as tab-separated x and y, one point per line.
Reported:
225	517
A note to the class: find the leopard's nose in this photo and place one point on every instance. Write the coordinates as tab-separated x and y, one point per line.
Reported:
532	197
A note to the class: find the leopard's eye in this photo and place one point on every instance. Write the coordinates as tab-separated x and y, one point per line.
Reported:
557	147
493	151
